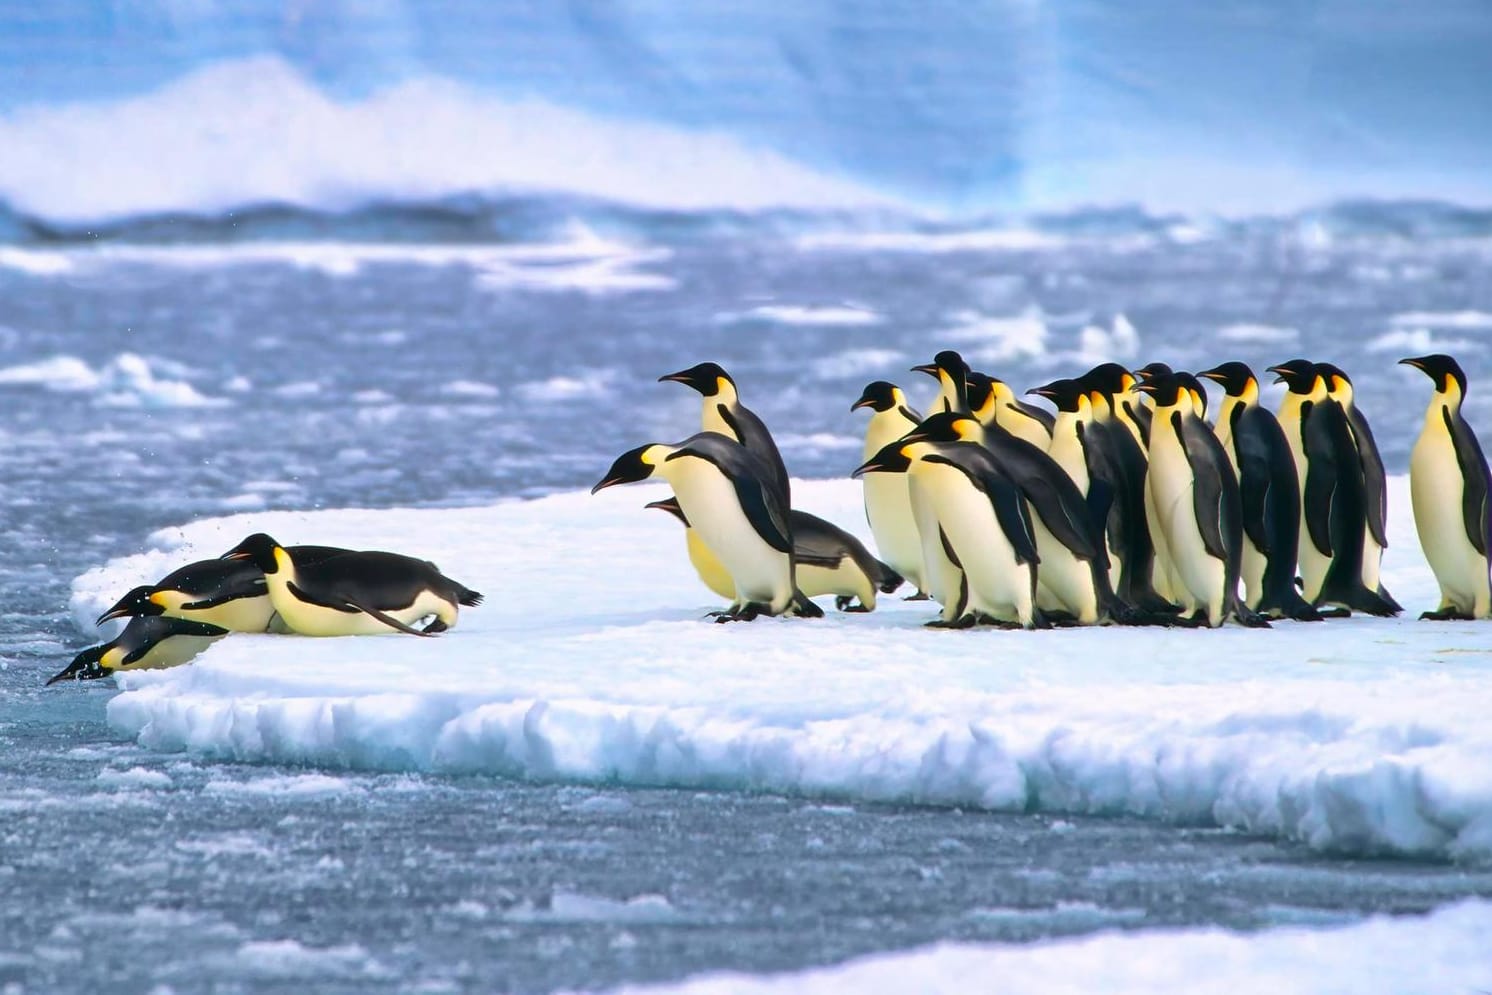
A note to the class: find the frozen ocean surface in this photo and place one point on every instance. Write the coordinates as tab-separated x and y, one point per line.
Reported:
583	785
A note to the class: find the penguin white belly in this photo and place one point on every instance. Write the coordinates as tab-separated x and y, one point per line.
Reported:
945	580
238	615
1435	489
1372	561
1063	582
307	619
711	571
888	509
1162	569
846	580
1313	564
172	651
1023	426
760	573
1200	576
997	585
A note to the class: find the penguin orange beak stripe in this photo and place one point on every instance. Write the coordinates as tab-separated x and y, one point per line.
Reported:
1146	388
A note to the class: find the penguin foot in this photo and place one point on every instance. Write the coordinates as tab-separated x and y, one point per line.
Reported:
1196	620
1334	612
847	604
435	626
1248	618
962	622
1447	615
919	596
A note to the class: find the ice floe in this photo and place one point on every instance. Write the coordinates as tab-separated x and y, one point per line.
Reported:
126	381
590	662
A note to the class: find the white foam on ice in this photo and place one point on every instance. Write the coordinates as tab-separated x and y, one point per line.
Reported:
1119	342
254	131
290	959
932	243
998	339
572	907
558	389
589	662
1446	951
135	777
859	363
1416	341
842	315
1249	332
126	381
288	786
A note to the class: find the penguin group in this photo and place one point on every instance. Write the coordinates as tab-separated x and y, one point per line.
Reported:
1124	505
262	586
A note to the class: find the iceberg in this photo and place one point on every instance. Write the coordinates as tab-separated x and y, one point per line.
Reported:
591	663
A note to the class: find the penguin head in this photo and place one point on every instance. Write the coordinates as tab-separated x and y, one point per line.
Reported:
952	374
1110	378
1299	375
946	426
1067	394
892	458
707	378
136	603
1445	371
1338	384
258	549
879	395
982	393
1236	379
670	505
1167	389
632	466
1150	371
1193	387
85	666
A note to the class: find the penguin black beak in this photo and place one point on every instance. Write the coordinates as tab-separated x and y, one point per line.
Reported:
931	369
85	667
608	482
1145	388
1212	375
1416	362
680	377
864	402
1278	371
872	465
1041	392
235	554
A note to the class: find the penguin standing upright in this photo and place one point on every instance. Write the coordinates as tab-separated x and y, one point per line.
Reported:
1375	480
992	402
1196	500
148	642
1119	400
723	412
983	525
1448	483
1333	506
888	500
367	592
952	374
726	493
1270	494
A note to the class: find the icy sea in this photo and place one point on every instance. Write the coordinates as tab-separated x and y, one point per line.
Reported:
367	817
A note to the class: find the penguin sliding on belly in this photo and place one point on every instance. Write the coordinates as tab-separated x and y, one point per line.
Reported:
1269	491
230	594
1448	484
828	560
888	499
356	594
726	494
1195	496
149	642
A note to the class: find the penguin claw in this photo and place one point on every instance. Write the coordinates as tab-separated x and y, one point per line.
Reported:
919	596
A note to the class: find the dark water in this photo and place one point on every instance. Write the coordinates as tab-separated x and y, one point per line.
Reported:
338	376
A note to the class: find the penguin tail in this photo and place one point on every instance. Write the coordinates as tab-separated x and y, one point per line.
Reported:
889	580
469	598
802	607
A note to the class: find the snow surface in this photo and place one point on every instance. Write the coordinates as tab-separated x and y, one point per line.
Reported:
590	662
1446	951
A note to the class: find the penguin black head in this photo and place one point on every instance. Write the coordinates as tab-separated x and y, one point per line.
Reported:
1166	388
1150	371
890	459
1066	394
259	549
670	505
85	666
1441	368
1336	379
948	362
1297	374
707	378
878	395
1234	376
135	603
1110	378
630	467
945	426
981	389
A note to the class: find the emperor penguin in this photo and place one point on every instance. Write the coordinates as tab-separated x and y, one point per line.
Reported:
1119	400
148	642
360	593
230	594
726	493
1333	505
828	560
984	525
1375	480
1073	578
952	374
723	412
992	402
1448	484
1195	496
888	501
1270	494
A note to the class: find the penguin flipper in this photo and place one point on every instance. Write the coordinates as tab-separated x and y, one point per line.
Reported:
1321	478
1207	485
1375	483
340	602
1047	419
762	501
1255	479
392	622
1474	501
1014	517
